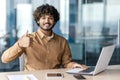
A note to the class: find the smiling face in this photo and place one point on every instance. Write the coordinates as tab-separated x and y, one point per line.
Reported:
46	16
46	22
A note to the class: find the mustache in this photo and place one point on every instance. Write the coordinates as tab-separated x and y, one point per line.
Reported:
47	23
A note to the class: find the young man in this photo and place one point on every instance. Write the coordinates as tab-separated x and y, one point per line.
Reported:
43	49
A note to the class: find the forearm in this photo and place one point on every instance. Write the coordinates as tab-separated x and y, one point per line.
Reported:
11	53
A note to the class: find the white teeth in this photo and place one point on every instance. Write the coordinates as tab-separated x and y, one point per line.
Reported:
46	24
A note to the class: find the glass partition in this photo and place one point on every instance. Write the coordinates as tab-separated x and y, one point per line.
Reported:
92	26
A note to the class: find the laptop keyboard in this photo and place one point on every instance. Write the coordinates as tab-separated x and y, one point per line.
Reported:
90	69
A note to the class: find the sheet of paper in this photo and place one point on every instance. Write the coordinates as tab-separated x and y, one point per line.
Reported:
22	77
75	70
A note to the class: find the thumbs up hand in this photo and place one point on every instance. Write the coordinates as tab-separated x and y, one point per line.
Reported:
25	41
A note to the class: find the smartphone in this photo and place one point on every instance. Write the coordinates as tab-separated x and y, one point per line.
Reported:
54	75
79	77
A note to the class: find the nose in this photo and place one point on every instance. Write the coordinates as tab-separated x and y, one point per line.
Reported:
46	20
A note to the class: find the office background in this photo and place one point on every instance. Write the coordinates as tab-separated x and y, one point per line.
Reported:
88	25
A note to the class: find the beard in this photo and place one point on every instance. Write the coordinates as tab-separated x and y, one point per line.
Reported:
47	28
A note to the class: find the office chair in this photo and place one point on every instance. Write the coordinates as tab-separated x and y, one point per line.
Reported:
22	62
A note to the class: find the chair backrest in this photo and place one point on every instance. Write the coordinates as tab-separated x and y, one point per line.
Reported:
22	62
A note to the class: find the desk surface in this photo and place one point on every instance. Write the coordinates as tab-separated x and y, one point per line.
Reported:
112	73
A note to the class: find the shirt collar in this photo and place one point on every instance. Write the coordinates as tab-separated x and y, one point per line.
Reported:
42	35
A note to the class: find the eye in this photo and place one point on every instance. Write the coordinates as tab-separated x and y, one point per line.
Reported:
51	18
42	17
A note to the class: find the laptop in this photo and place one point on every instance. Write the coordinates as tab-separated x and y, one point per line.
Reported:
101	65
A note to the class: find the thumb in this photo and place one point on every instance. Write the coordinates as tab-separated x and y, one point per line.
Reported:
26	33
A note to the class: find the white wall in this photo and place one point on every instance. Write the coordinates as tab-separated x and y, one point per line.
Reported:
2	17
24	19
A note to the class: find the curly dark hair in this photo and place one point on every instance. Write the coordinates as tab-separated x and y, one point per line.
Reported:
46	9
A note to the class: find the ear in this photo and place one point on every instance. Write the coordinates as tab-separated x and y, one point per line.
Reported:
38	22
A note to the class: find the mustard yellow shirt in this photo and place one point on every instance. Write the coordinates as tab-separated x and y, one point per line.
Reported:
44	53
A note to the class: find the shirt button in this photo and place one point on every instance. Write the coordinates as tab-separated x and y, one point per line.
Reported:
46	60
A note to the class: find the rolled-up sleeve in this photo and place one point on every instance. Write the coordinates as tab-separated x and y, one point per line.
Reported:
67	57
11	53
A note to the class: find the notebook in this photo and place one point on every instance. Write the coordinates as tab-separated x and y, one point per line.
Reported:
101	65
21	77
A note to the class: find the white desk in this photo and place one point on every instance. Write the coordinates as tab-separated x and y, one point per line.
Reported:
112	73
